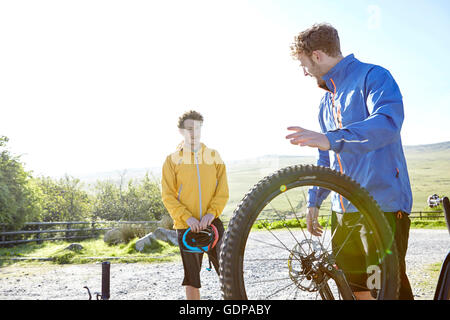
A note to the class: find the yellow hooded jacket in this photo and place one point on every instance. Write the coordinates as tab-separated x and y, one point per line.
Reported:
194	184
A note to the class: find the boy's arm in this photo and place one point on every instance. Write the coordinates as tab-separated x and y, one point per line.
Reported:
221	195
169	193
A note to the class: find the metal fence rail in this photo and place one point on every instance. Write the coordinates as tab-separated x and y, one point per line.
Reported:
33	231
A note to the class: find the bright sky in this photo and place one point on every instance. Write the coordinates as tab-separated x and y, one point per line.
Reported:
93	86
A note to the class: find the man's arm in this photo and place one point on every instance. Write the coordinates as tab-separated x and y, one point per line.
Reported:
382	127
169	193
316	195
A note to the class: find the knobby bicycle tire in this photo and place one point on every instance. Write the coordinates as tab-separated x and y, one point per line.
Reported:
247	211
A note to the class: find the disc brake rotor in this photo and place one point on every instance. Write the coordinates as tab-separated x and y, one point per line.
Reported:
303	264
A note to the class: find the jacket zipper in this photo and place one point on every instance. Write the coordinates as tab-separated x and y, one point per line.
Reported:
199	184
338	124
179	192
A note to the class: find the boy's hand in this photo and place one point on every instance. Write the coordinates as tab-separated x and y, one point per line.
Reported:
206	220
194	224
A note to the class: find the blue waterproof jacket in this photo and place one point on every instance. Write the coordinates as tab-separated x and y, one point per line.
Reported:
361	115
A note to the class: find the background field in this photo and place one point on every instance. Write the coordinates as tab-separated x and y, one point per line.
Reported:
428	166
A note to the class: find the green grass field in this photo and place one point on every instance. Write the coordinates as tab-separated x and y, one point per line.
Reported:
93	250
428	167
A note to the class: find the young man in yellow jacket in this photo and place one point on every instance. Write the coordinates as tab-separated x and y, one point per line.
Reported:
195	192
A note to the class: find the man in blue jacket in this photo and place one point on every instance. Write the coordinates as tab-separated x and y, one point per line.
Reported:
360	116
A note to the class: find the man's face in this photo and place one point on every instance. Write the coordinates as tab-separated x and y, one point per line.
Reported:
312	69
192	132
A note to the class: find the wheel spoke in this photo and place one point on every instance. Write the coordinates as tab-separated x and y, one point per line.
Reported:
279	290
268	259
269	280
295	214
348	236
270	244
325	231
280	242
284	221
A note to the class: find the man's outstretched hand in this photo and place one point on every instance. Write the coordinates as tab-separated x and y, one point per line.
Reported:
303	137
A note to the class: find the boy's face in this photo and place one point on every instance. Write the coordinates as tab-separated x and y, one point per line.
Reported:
192	132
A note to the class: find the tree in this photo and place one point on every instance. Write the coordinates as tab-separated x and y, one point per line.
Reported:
63	199
139	200
18	196
108	201
144	200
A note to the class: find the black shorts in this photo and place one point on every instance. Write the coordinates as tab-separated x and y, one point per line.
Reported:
192	262
359	252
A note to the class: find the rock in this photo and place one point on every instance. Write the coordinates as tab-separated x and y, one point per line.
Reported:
142	242
113	236
166	235
161	234
74	247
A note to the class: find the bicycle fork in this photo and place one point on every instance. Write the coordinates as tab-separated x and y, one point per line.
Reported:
341	282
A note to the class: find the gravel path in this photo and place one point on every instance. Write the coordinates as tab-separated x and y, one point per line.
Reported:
159	281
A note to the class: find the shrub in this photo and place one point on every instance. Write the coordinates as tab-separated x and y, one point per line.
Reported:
129	232
63	257
291	223
166	222
136	200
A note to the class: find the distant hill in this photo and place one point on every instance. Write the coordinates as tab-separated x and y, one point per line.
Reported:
428	166
442	147
429	171
264	163
115	176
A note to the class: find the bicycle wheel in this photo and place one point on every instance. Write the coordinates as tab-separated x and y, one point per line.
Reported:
267	253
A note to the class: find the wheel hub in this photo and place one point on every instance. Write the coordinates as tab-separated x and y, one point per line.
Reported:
304	264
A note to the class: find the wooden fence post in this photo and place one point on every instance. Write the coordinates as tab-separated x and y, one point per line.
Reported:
93	233
67	233
3	230
38	235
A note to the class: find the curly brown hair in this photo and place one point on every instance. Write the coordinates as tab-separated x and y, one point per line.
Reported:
321	36
191	114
